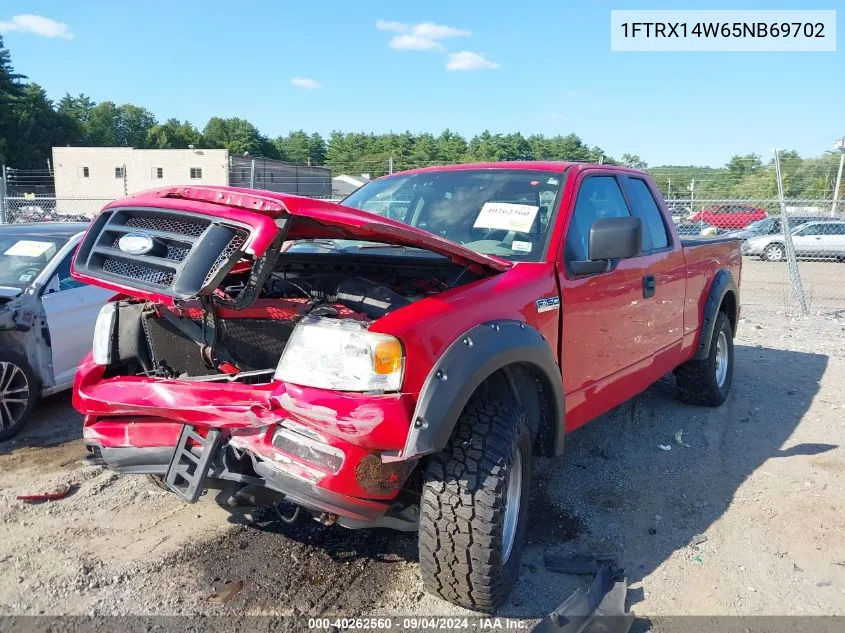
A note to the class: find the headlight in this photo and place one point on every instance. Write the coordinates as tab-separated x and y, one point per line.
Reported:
103	334
341	354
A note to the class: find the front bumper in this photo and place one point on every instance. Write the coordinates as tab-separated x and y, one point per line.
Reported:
155	461
323	450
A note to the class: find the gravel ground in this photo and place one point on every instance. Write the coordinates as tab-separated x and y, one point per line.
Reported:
747	520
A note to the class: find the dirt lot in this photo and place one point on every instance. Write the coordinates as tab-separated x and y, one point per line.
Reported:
760	489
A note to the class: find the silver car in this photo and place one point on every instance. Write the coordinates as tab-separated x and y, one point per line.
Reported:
821	239
46	317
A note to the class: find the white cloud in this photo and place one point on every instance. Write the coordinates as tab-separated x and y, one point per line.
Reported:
389	25
306	83
36	25
467	60
438	31
409	42
425	36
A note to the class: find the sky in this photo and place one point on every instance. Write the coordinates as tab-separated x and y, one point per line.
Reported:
539	67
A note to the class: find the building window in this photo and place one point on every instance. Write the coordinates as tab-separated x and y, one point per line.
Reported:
196	173
159	172
84	172
119	172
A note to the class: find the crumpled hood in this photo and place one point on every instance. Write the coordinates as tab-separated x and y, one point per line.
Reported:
268	217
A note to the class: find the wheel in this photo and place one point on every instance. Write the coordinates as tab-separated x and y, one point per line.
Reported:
474	506
708	382
18	393
774	253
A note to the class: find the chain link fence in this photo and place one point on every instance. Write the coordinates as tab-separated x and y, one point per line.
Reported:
786	214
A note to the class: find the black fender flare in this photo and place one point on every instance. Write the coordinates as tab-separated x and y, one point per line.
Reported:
468	361
723	283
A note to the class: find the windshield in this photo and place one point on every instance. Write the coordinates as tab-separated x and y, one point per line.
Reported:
502	212
23	257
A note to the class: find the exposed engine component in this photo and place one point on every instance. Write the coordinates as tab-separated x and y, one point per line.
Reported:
366	297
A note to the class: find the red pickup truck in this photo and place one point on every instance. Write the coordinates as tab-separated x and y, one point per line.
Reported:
397	359
729	216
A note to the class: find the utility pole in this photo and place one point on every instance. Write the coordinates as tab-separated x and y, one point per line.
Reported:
252	174
692	198
789	247
390	165
838	145
669	189
3	181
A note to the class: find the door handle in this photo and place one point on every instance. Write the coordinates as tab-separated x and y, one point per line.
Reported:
649	286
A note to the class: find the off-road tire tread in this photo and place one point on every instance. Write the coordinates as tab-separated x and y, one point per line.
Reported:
462	508
696	378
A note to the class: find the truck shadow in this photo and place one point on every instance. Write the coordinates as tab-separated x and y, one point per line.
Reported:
603	495
643	503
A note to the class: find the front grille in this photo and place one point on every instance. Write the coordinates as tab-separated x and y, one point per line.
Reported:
140	272
168	225
232	247
188	250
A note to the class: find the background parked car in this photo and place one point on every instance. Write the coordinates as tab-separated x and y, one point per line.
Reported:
729	216
821	239
46	317
770	226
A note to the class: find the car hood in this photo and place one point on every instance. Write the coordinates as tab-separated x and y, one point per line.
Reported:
8	292
270	216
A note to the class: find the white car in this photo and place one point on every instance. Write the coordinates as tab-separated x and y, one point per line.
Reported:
822	239
46	317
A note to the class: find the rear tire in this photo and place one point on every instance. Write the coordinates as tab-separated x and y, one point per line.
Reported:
708	382
19	391
774	253
474	507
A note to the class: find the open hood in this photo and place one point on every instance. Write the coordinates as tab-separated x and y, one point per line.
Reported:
180	242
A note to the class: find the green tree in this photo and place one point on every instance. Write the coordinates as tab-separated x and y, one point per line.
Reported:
317	149
37	128
633	161
10	92
236	135
133	125
173	134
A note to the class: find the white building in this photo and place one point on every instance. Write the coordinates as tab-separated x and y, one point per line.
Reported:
106	173
88	177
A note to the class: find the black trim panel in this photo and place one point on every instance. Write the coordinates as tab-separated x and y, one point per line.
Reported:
722	284
471	359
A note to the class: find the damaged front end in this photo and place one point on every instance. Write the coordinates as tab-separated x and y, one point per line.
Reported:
230	355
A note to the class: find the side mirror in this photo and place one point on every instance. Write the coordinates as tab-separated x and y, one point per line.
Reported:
611	238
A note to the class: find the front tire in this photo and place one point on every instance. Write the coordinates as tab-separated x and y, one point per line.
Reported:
708	382
18	393
774	253
474	507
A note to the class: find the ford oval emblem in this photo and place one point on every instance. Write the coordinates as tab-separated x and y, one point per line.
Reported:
136	243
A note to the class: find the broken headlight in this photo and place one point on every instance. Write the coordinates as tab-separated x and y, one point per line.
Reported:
341	354
104	334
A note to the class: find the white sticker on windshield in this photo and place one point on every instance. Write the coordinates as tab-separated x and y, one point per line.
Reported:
506	216
28	248
522	247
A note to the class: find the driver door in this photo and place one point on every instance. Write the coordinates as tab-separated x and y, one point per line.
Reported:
71	309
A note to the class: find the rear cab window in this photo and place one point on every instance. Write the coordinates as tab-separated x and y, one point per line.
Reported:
645	207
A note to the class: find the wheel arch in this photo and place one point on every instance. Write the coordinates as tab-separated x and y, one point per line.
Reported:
508	358
723	296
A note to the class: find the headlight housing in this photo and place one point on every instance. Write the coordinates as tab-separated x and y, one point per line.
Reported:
341	354
104	334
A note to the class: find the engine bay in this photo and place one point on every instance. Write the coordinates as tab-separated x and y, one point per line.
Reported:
208	339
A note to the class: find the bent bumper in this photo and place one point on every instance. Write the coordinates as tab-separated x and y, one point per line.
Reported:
321	449
155	461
